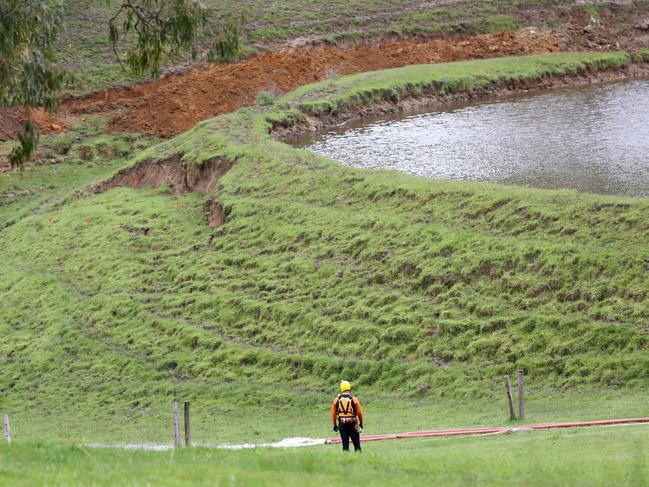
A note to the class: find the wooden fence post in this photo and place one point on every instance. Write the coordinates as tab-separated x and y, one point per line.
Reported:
176	426
521	394
5	428
188	431
510	402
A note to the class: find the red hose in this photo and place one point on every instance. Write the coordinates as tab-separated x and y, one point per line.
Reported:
487	431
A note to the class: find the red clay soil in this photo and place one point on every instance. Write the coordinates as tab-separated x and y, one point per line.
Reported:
174	104
11	123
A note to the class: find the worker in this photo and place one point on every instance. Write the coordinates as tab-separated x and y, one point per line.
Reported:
347	416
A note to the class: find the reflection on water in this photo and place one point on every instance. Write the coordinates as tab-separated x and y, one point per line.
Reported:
593	139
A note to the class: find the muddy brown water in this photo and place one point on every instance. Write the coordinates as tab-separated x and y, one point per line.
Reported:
593	139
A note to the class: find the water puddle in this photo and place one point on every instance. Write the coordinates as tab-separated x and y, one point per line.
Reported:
285	443
593	139
131	446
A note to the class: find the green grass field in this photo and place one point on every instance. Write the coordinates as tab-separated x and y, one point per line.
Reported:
602	457
423	293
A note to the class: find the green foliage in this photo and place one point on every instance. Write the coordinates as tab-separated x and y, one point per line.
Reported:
160	27
499	24
264	99
227	43
28	76
641	55
24	150
594	13
28	29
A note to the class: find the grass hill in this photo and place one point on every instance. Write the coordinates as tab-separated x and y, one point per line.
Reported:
120	299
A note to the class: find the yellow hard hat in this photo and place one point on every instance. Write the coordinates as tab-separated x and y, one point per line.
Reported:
345	386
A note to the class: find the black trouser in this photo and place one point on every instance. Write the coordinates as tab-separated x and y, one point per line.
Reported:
347	431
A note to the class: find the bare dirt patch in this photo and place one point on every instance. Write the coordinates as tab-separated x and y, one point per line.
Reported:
215	214
182	177
11	122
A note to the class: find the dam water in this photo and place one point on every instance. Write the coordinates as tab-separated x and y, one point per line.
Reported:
592	139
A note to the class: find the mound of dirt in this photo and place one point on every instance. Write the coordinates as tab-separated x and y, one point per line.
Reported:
182	177
171	105
11	122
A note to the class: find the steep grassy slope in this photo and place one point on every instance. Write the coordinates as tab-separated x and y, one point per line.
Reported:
409	287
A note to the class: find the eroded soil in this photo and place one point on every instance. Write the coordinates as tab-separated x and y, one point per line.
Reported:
182	178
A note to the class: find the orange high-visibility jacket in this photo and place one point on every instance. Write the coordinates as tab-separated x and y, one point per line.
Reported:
342	407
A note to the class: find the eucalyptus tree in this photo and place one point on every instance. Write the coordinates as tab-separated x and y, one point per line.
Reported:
142	33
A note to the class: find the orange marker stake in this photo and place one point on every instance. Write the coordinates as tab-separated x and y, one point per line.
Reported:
222	122
257	136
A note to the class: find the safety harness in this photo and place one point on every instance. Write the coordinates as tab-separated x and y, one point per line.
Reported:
346	411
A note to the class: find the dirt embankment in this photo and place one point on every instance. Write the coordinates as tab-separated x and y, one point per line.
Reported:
182	178
169	106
